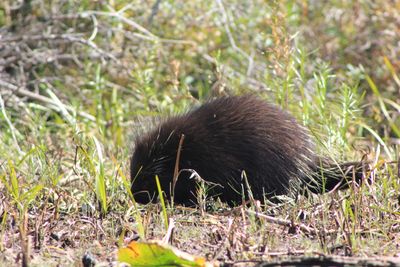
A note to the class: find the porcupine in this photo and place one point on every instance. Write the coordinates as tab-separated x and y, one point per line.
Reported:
232	143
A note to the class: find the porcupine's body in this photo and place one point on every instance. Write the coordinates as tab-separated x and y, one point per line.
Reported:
221	140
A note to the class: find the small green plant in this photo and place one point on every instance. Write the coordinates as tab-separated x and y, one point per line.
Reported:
163	206
21	196
100	178
137	215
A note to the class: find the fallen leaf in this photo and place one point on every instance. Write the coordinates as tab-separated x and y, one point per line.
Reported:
158	254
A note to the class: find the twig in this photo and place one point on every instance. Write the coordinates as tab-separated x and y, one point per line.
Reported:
230	36
287	223
223	245
118	15
154	11
323	260
61	107
176	170
38	37
52	104
252	81
144	33
69	37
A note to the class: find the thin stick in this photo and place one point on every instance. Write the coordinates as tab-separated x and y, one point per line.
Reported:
52	104
176	170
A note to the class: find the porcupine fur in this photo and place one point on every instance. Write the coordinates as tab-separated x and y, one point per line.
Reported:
224	139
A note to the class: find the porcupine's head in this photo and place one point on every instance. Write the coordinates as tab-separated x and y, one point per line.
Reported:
155	154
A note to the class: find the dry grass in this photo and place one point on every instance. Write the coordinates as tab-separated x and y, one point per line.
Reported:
79	80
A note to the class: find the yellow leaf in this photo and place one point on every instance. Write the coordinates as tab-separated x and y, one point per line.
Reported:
157	254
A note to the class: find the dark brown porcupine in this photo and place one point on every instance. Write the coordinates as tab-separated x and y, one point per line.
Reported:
221	140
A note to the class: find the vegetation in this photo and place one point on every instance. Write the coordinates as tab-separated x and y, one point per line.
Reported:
80	79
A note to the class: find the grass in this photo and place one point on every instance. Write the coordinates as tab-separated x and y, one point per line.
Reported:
85	93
